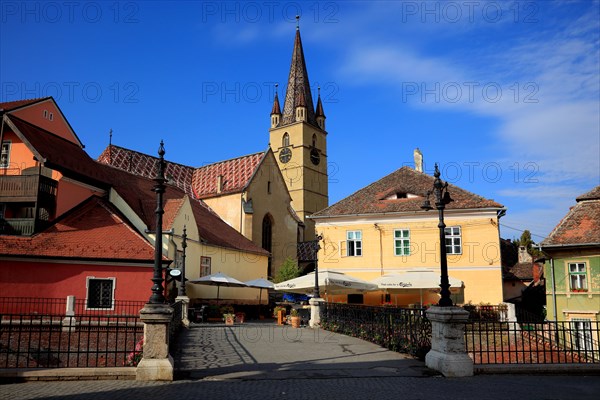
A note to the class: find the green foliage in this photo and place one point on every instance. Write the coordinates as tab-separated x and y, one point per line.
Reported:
289	270
294	312
525	240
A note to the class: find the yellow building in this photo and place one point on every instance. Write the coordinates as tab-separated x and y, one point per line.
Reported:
382	229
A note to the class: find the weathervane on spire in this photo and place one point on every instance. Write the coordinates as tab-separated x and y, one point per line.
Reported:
297	22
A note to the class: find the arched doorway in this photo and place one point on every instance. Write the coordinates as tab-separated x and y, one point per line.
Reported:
267	240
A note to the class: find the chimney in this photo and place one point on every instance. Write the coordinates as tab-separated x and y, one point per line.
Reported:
219	183
524	256
418	160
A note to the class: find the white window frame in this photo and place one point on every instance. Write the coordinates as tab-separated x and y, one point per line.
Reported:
454	235
5	153
205	266
580	275
402	242
354	237
87	292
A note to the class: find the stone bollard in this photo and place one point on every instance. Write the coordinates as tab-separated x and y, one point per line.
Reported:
185	301
448	354
69	322
315	312
156	363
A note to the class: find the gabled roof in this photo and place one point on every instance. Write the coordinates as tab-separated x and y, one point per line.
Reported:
93	230
298	88
145	165
58	153
375	198
581	225
236	175
13	105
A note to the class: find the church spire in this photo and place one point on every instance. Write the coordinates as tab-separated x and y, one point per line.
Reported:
298	88
319	113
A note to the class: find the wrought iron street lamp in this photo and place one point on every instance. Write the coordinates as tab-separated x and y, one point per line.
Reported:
183	247
157	296
442	197
316	248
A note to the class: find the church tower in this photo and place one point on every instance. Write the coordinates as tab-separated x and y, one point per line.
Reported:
299	141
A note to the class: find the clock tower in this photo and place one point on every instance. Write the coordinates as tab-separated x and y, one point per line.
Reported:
299	141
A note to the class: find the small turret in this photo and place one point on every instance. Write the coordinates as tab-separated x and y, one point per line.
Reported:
276	111
319	114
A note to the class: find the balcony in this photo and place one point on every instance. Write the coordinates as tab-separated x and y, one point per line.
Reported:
26	188
17	226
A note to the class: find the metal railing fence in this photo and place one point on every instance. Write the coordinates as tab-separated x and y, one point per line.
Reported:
532	343
403	330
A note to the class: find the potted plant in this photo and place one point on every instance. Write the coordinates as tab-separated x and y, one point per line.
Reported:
279	313
295	317
228	314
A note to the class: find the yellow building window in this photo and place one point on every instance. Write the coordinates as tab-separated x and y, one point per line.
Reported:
402	242
354	243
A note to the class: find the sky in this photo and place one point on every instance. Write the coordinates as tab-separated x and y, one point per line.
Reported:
504	95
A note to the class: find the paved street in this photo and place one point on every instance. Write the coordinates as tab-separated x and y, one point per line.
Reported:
264	361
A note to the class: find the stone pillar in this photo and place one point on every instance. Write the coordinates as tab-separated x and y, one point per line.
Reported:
185	302
156	364
448	354
315	312
69	321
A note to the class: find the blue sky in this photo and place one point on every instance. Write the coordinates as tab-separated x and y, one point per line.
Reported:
504	95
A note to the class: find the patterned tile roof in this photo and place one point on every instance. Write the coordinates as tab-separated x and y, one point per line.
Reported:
581	225
298	88
94	230
379	196
137	191
236	174
145	165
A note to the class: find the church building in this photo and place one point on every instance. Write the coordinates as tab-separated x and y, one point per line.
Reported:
266	196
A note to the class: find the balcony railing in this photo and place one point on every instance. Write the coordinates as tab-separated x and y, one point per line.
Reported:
15	188
17	226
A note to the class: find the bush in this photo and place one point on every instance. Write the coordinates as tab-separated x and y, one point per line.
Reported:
289	270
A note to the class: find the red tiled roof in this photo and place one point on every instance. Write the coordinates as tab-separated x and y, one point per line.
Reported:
11	105
73	161
373	199
581	225
145	165
137	193
60	154
93	230
236	175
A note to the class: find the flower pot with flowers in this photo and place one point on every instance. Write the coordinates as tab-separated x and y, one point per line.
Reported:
295	318
228	314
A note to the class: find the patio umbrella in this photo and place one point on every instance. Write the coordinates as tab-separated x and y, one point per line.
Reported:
406	282
219	279
261	284
331	281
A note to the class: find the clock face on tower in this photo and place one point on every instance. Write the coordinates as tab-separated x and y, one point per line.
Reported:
315	157
285	155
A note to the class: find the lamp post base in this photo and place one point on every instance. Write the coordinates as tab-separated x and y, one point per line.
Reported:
448	354
315	312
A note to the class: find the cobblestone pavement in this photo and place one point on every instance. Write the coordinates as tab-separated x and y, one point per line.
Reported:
259	361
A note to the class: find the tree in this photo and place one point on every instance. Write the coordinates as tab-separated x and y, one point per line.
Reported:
289	270
525	240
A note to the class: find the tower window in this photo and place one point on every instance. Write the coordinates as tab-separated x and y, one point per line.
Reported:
46	114
286	140
269	187
51	117
314	140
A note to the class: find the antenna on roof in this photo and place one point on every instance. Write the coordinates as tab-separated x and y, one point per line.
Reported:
297	22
